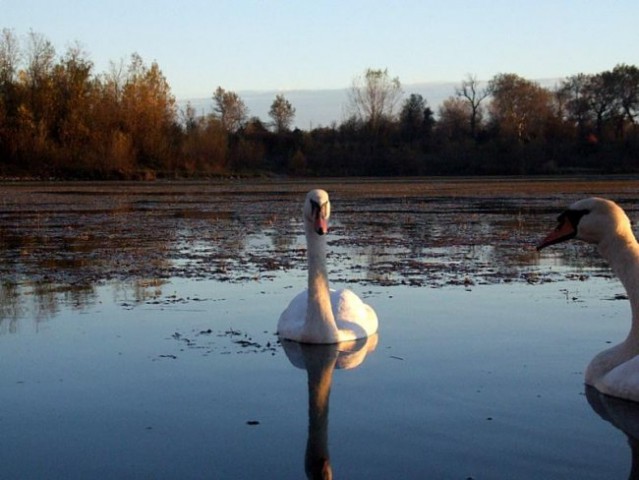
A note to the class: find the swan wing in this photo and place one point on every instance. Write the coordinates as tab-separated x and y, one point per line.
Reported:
622	381
353	317
291	322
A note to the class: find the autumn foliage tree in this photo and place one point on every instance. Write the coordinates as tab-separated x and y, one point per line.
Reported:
149	113
519	107
58	118
204	146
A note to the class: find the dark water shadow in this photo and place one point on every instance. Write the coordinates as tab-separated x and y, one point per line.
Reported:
622	414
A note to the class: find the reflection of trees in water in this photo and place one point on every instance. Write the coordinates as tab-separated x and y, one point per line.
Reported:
43	300
11	308
137	290
39	301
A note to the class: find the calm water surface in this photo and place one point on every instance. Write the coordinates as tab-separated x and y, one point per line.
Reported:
137	334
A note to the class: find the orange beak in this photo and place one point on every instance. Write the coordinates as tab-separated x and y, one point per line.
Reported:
321	226
564	231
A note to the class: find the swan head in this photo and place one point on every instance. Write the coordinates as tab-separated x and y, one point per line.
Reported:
592	220
317	210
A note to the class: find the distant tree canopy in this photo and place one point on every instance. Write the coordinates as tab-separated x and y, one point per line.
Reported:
416	118
61	119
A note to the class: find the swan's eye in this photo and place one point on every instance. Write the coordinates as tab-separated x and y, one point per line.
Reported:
317	210
573	216
319	216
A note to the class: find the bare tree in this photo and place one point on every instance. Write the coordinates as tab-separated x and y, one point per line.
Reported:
9	56
282	113
113	79
573	103
9	96
599	93
40	57
373	97
627	90
474	95
230	109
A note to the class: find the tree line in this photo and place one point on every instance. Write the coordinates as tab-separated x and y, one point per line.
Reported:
60	119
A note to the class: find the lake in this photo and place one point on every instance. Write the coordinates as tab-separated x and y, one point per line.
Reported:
137	333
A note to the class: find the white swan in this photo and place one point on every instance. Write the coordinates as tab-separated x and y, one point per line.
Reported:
614	371
320	315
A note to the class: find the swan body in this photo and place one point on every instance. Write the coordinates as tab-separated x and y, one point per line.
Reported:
348	310
319	314
614	371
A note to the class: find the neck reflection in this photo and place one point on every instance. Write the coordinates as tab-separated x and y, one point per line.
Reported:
320	361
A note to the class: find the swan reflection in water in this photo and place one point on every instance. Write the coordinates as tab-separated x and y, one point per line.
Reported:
624	415
319	361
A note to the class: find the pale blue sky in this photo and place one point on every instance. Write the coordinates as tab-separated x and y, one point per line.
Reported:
282	45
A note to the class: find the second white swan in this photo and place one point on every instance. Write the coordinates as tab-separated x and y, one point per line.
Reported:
318	314
614	371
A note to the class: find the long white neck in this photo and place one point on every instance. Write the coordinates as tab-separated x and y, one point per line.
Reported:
320	321
622	253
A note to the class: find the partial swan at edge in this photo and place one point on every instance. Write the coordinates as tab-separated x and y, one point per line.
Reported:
614	371
318	314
